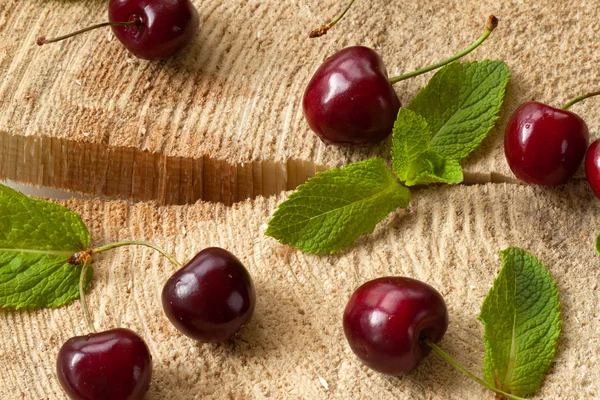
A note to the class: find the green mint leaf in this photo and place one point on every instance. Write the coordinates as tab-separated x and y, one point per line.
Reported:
36	239
433	168
521	319
598	243
413	161
461	103
333	209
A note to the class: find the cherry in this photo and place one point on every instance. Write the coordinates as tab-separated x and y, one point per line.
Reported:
350	100
544	145
150	29
387	319
592	166
114	364
211	297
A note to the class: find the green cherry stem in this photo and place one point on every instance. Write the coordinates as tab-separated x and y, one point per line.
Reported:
42	40
578	99
462	369
322	30
137	243
82	275
490	25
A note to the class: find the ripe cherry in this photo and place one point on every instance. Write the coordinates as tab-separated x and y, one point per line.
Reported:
592	166
386	321
544	145
150	29
350	100
211	297
114	364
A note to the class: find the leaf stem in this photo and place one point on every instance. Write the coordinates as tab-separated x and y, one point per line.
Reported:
82	276
322	30
490	25
42	40
462	369
578	99
137	243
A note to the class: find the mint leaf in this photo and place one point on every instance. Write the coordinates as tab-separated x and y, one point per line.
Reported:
598	243
36	239
521	319
461	103
413	161
434	168
334	208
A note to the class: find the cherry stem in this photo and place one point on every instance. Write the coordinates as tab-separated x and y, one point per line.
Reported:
322	30
462	369
42	40
578	99
137	243
82	276
490	25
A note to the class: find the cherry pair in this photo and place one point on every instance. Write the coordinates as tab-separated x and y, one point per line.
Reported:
209	300
546	145
150	29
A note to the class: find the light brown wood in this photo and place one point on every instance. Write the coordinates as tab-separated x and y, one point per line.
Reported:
449	237
123	127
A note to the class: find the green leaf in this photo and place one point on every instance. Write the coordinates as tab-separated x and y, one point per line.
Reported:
433	168
522	323
598	243
334	208
413	161
36	239
461	103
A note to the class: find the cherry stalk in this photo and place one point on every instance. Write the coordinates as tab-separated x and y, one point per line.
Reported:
436	349
85	258
40	41
323	29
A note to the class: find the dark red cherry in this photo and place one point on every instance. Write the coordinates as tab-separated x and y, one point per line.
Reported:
150	29
544	145
211	297
165	26
114	364
592	166
386	320
350	101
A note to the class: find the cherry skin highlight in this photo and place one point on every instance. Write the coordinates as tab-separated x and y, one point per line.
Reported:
350	101
592	167
114	364
386	320
211	297
545	145
163	29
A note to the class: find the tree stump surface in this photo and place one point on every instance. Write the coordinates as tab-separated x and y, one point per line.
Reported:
222	121
449	237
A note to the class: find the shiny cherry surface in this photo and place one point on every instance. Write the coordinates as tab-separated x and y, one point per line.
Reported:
545	145
165	26
114	364
350	101
386	319
592	167
211	297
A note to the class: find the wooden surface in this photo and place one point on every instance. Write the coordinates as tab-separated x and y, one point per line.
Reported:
449	237
84	115
222	122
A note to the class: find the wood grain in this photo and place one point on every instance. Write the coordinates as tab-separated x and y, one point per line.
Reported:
234	96
449	237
